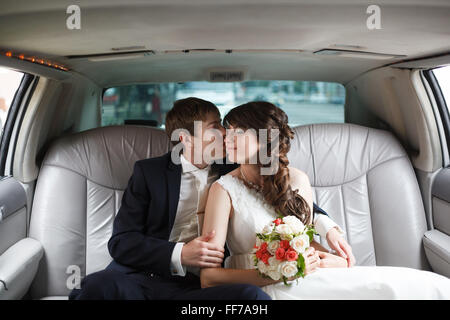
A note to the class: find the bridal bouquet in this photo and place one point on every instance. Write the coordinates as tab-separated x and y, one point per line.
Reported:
279	248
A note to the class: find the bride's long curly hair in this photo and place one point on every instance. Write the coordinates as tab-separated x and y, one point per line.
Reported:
276	189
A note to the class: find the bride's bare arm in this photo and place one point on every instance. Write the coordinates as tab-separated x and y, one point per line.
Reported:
300	181
217	214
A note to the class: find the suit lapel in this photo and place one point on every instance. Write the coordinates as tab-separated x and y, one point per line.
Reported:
173	174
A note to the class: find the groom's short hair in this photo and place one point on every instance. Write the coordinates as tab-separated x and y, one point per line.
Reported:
185	111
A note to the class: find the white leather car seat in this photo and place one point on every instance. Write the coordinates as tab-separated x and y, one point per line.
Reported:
364	180
362	177
78	193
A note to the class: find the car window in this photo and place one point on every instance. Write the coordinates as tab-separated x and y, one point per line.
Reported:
9	83
443	77
305	102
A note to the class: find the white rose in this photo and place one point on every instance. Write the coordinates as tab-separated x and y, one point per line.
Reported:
273	246
268	229
275	275
288	268
300	243
284	230
296	225
274	263
262	267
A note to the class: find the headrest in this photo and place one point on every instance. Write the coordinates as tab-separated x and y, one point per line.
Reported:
107	155
333	154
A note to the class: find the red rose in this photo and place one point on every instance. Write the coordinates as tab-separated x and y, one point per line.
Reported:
291	255
279	254
284	244
265	257
277	221
264	246
259	254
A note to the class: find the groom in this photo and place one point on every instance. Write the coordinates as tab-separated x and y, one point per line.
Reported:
155	246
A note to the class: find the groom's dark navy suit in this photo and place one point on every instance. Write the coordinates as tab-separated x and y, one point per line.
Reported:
139	243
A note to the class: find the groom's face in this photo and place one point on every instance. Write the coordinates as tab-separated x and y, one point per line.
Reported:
208	139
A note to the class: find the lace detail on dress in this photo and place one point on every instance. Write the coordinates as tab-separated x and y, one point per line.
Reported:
251	214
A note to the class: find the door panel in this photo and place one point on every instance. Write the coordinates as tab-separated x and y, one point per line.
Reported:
441	215
13	214
437	241
440	193
441	201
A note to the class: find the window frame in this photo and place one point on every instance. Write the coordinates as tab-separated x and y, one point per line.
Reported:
441	104
14	115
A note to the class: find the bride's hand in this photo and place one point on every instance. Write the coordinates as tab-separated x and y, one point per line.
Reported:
312	260
328	260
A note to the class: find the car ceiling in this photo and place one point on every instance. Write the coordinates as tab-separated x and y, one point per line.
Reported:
269	39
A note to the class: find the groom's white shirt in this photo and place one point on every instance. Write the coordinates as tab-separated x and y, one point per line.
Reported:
194	188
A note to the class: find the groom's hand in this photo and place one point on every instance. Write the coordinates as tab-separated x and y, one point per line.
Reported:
328	260
338	243
200	253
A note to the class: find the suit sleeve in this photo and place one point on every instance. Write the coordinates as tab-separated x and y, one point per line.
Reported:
319	210
129	244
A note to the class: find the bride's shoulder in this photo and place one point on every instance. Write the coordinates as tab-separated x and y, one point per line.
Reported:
297	176
220	189
233	173
296	172
223	181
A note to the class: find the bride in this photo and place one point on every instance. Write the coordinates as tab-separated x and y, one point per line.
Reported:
242	202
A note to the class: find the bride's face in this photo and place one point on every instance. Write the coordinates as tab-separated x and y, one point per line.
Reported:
241	146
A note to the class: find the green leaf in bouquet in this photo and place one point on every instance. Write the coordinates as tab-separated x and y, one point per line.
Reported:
301	263
263	237
288	237
300	273
275	237
311	227
311	233
285	282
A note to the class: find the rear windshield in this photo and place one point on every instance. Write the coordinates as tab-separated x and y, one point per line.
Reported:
305	102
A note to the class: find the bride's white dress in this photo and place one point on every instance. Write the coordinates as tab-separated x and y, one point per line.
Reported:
252	213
